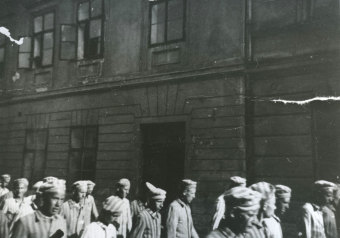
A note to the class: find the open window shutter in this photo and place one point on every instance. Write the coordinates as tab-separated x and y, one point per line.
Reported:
25	52
67	42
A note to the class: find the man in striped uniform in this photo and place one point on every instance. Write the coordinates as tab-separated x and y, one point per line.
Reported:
138	204
310	223
242	205
273	224
45	222
267	208
90	205
148	222
124	220
179	222
235	181
4	181
74	212
19	205
105	226
3	225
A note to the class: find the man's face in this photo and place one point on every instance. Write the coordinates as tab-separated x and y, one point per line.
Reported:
327	197
52	203
282	205
336	197
20	190
269	208
156	205
79	195
189	195
4	183
245	218
123	191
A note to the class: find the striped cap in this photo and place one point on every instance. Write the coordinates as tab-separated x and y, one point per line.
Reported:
188	183
114	205
123	182
37	186
324	186
282	191
53	186
237	181
80	186
50	179
155	193
23	181
267	190
242	198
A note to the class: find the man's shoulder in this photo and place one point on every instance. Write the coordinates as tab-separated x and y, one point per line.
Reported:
217	234
175	204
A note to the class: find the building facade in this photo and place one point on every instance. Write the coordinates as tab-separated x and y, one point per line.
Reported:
161	90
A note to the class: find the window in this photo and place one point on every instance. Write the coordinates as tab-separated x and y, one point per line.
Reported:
35	154
83	153
2	59
43	40
90	29
167	21
24	57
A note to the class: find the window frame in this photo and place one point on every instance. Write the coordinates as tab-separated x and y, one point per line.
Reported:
41	33
61	41
87	21
82	150
34	151
166	41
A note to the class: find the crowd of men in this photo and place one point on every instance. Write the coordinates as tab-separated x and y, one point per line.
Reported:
250	212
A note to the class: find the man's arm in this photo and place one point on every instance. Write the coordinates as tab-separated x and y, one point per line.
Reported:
94	210
3	226
19	230
171	222
138	228
304	224
219	212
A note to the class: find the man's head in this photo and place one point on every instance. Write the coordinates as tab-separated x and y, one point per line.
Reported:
283	195
156	197
52	197
188	190
4	180
79	190
237	181
323	192
123	188
90	187
242	205
112	209
20	187
268	200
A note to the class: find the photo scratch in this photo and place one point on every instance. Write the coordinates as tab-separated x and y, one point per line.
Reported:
5	31
306	101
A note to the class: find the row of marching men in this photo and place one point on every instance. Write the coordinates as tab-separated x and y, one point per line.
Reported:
240	211
45	214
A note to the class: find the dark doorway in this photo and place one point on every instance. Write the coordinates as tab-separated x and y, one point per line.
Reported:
163	155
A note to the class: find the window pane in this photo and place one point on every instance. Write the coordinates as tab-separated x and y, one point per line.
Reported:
24	60
83	11
40	139
26	45
77	138
47	57
30	140
91	137
175	30
68	50
49	21
38	21
75	160
158	13
175	9
48	40
96	8
81	41
2	54
68	33
157	33
95	28
37	46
